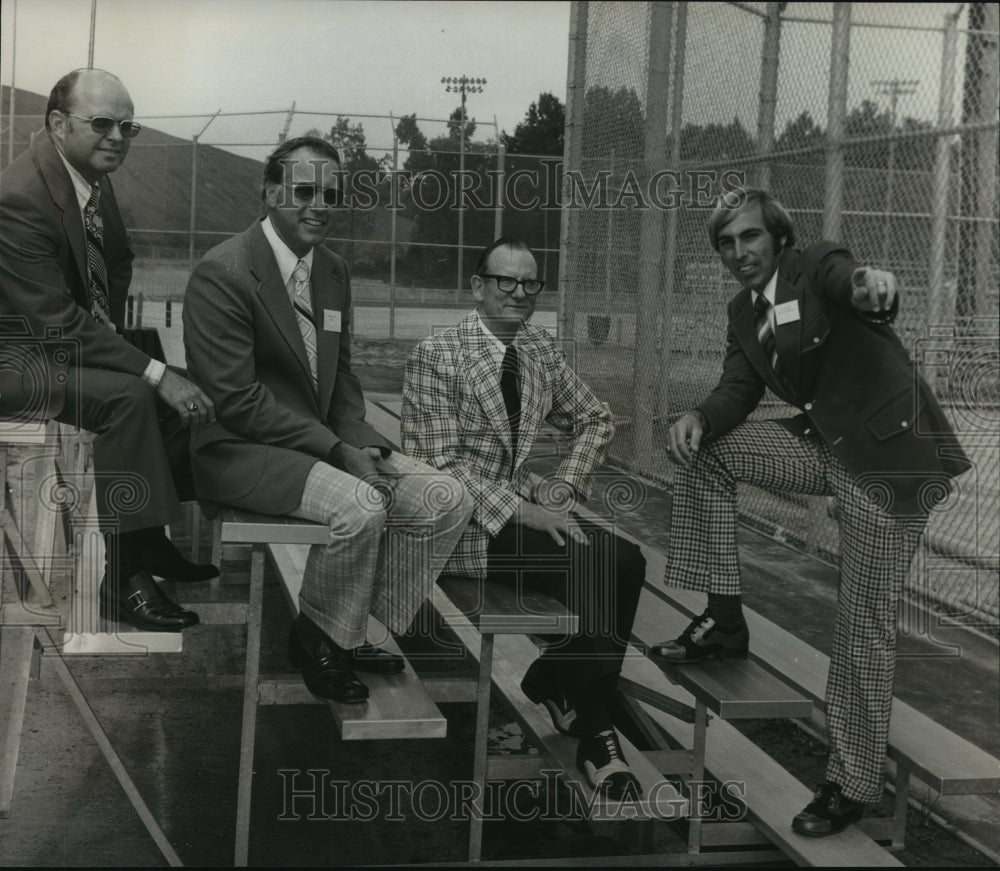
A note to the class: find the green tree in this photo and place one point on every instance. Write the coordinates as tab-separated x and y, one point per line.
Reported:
541	131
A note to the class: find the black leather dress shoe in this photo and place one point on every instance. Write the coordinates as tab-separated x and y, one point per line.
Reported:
375	660
326	668
140	602
828	813
539	689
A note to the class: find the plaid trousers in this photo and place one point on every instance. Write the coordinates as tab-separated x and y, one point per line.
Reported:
876	550
389	540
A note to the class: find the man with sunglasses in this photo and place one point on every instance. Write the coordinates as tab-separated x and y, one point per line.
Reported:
267	334
475	397
69	266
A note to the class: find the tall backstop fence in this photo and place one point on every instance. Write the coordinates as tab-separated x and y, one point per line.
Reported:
872	129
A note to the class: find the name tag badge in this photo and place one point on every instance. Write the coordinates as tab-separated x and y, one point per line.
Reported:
331	320
786	312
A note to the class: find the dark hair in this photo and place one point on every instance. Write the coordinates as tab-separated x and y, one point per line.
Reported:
274	165
777	221
502	242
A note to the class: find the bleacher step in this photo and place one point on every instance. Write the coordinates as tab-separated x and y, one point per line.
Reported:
398	705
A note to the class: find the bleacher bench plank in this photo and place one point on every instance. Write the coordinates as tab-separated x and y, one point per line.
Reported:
399	706
772	795
512	656
943	760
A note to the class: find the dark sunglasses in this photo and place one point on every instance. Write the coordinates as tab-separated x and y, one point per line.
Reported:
102	125
306	193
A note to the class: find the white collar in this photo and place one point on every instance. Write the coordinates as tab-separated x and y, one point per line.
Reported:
81	187
287	259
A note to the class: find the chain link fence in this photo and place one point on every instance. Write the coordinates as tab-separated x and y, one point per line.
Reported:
872	128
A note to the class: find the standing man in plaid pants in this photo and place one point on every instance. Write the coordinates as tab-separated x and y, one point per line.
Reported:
814	326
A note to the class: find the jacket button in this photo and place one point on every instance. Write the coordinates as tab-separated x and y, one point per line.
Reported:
808	406
807	431
904	423
815	340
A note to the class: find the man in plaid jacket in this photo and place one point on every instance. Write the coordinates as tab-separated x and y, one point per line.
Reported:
814	326
474	399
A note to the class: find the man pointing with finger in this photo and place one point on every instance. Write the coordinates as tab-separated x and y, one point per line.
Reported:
67	266
475	397
813	326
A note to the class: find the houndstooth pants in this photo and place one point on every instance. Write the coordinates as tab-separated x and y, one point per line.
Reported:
876	550
389	540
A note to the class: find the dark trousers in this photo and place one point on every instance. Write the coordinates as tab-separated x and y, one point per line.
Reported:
141	459
600	583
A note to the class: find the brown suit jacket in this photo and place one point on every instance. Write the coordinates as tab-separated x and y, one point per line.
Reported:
244	349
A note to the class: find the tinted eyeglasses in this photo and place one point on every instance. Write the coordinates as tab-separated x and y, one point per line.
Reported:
506	284
102	125
306	193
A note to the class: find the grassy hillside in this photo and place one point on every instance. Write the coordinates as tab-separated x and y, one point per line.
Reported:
154	183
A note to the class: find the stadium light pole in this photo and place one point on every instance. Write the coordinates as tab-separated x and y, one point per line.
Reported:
893	89
461	85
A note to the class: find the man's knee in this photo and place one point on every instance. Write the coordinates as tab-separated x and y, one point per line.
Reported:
365	513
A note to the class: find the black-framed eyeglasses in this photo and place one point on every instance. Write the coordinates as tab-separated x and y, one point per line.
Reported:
506	284
306	193
102	125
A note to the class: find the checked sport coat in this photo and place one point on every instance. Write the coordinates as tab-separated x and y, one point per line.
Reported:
454	419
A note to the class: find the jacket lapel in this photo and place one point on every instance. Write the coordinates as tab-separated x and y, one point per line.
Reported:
328	294
274	296
60	187
484	378
788	336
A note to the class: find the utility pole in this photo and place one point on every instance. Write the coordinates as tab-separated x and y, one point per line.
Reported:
893	89
462	85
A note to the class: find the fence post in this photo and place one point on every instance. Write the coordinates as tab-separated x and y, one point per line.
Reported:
392	237
770	58
576	80
941	305
498	214
836	114
670	247
649	308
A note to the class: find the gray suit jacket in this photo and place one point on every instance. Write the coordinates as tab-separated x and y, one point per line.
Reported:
244	349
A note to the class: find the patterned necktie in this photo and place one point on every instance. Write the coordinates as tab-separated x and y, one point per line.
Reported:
93	226
302	302
511	392
765	333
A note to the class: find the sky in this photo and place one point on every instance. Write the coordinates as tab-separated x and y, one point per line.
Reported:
352	58
376	57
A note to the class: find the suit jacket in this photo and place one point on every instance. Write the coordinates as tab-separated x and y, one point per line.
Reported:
454	419
851	377
244	349
43	251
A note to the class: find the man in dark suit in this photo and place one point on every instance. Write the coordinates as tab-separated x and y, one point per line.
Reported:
267	319
814	326
475	397
67	268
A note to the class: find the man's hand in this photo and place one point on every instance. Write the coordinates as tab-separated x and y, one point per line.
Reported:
872	290
557	524
684	438
359	462
191	404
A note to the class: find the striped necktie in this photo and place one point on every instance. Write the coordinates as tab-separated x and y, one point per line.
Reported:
302	302
93	226
765	333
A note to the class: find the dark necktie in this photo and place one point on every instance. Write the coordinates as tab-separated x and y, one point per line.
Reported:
765	334
511	392
93	225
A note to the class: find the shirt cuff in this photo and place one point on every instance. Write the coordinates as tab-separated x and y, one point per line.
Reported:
154	373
